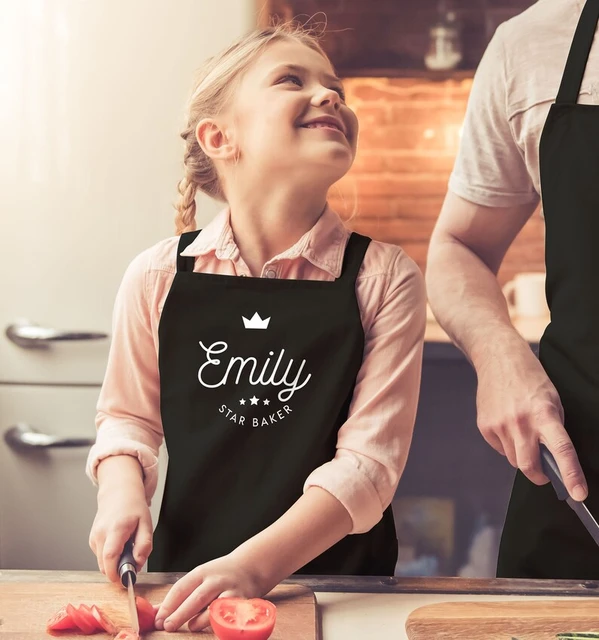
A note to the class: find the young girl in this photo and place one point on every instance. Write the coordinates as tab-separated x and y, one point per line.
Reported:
278	354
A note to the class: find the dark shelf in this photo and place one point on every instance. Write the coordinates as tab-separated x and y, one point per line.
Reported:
398	72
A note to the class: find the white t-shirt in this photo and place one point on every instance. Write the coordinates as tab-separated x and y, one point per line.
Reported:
515	84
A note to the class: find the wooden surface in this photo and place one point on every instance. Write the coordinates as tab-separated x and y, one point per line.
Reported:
348	607
520	620
25	608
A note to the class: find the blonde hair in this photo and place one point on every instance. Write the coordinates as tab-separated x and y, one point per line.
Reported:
213	87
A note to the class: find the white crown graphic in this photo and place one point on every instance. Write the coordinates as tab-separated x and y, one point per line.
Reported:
255	322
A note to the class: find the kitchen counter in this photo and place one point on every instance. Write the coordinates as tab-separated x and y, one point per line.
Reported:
356	608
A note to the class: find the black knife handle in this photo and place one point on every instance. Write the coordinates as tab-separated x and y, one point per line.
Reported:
551	470
127	566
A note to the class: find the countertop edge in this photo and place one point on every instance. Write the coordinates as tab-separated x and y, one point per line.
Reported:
355	584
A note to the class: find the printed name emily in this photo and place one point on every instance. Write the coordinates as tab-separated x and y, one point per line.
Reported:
263	378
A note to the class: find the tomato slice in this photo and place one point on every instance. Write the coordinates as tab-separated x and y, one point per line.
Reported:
90	617
61	621
241	619
81	619
127	634
146	614
103	620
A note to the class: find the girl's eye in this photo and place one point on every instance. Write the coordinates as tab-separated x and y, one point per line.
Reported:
298	81
340	91
291	78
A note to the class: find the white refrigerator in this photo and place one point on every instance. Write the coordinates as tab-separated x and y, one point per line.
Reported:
92	95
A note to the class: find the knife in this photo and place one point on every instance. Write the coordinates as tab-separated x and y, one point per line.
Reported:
128	576
550	469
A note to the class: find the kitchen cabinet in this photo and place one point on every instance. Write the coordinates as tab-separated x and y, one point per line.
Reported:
451	465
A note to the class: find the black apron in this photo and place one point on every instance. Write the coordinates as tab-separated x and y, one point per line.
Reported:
542	537
256	378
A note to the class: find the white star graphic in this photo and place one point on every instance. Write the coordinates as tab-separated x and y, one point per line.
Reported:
242	401
266	401
254	400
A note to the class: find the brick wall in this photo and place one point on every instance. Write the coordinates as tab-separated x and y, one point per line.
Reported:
409	134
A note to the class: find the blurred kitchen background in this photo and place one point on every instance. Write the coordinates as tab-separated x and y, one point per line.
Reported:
91	102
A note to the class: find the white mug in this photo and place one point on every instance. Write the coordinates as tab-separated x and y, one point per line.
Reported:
525	295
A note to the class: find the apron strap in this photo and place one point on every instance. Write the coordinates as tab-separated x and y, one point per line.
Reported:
186	263
352	260
579	53
354	255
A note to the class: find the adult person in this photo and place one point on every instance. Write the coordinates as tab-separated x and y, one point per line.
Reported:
531	132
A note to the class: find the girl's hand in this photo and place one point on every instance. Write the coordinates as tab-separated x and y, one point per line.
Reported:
122	513
187	600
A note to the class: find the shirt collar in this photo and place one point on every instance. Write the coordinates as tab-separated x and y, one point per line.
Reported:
323	245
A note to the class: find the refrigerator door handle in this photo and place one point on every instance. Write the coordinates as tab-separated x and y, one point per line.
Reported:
23	437
31	336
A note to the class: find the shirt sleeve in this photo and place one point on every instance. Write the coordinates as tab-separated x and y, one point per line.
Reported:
490	168
373	444
128	410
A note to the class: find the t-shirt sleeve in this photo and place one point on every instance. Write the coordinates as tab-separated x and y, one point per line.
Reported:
490	169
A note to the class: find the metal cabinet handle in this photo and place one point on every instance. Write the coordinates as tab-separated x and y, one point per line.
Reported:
22	436
31	336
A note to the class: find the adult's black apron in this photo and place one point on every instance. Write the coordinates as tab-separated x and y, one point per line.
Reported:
542	537
256	378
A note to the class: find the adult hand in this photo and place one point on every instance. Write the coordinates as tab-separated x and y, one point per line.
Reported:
519	408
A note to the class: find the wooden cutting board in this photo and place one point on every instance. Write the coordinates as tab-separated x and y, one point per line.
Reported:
507	620
25	608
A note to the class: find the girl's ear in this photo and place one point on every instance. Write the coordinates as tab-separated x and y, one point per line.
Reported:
213	140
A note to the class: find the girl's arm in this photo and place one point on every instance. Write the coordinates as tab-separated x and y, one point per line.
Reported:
373	443
128	416
312	525
124	460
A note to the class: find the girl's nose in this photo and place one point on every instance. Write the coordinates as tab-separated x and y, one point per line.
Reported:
327	97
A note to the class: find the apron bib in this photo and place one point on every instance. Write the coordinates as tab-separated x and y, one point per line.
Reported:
543	537
256	378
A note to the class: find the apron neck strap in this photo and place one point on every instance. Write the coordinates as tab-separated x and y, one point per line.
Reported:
186	263
353	257
579	53
352	260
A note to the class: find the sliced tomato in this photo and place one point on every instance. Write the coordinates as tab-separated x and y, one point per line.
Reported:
127	634
91	618
146	613
81	620
103	620
61	621
242	619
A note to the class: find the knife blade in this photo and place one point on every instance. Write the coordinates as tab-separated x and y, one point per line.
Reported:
128	575
551	470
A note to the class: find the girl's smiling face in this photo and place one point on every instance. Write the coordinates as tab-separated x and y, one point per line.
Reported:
289	115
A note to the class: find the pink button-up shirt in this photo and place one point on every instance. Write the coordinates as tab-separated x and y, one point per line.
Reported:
373	443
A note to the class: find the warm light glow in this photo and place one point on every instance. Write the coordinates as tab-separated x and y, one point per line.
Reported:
34	37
